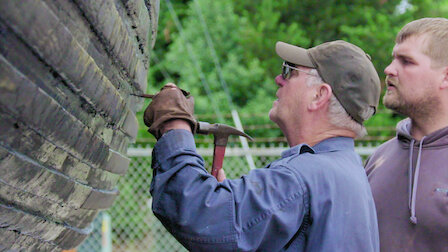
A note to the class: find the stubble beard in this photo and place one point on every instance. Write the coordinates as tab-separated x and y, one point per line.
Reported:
420	107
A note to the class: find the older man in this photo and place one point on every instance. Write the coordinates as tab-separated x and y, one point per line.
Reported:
315	198
409	173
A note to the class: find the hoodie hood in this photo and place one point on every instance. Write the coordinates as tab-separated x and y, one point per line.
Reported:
436	139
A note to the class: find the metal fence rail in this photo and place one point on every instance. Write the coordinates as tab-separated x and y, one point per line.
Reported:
133	225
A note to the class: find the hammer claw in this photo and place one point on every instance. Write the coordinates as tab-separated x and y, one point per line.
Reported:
218	129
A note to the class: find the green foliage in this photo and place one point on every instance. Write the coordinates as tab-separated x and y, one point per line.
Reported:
428	8
244	34
193	61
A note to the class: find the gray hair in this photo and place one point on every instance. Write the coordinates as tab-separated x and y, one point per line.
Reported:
336	113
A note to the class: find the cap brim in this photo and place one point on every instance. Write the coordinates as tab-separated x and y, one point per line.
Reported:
293	54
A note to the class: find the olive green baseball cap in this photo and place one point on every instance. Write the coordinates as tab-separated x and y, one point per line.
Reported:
346	68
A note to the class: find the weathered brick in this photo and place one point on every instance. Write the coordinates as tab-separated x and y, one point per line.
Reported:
100	200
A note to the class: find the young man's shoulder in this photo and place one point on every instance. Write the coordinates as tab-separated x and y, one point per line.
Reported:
385	147
385	154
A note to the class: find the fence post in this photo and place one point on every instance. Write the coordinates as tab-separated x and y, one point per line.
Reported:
245	145
106	240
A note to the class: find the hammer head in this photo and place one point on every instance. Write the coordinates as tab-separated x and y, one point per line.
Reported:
221	132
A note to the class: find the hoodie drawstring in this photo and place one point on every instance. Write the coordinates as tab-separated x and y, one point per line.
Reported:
411	151
412	189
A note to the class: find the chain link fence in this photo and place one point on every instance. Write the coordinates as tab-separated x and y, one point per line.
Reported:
132	223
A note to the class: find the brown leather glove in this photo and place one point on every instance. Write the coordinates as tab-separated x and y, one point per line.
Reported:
170	103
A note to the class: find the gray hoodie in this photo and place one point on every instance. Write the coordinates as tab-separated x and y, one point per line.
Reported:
409	181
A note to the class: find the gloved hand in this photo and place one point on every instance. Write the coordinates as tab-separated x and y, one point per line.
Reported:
170	103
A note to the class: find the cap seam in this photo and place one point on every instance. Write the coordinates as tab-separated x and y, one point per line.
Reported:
313	61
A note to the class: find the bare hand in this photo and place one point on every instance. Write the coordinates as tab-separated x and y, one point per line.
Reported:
221	175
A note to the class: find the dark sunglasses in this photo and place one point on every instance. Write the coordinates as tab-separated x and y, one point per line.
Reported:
287	69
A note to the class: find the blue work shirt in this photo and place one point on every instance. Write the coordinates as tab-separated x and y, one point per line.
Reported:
312	199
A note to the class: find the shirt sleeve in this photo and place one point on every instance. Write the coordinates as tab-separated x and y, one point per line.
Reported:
260	211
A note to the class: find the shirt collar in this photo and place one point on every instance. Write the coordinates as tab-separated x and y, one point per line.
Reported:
327	145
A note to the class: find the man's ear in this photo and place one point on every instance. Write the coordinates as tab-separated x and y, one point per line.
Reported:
445	78
321	97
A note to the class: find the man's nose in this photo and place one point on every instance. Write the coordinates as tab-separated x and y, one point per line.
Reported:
280	81
390	70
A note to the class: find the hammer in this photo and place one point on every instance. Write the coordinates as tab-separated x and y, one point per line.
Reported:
221	133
